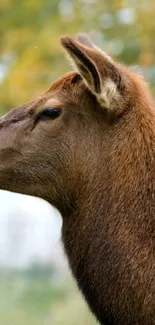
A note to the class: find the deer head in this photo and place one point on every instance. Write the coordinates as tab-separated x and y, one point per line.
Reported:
87	146
50	145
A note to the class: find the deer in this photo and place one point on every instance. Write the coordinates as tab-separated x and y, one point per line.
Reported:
87	146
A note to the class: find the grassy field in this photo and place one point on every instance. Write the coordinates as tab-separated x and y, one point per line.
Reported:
41	300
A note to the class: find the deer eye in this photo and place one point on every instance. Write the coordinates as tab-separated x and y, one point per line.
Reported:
48	113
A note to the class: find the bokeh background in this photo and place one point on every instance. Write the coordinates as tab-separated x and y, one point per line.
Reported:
36	286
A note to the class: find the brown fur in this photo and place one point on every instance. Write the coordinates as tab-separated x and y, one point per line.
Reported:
96	164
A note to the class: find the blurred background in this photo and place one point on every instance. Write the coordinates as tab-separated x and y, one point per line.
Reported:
36	285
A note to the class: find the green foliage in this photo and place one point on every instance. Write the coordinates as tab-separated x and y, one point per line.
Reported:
40	294
41	300
36	270
31	57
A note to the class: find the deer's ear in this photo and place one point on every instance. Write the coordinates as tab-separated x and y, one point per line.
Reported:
77	52
99	71
85	40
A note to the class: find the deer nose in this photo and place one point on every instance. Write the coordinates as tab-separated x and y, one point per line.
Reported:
13	116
